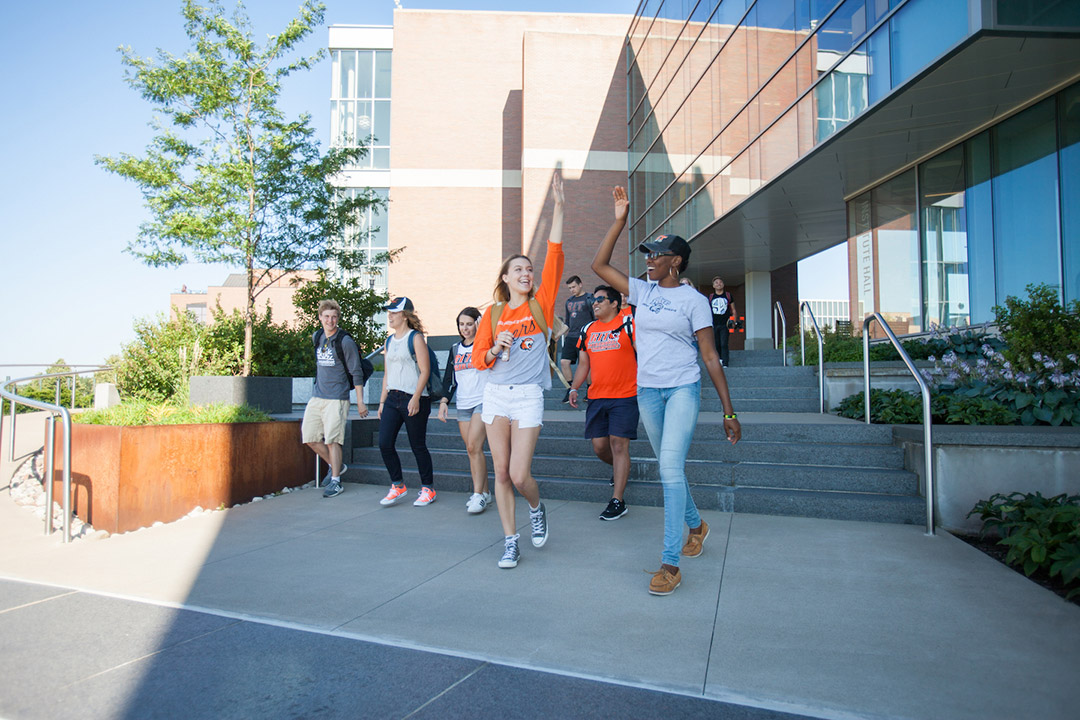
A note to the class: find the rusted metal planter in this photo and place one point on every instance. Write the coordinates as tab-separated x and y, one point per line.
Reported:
124	478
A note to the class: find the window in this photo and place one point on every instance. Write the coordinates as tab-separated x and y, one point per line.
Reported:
360	104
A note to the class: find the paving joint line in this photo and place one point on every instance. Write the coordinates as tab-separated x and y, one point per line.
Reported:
716	614
38	602
159	651
448	689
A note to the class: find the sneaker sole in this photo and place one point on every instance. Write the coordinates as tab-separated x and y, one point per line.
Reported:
387	503
476	511
615	517
332	495
542	541
422	504
507	566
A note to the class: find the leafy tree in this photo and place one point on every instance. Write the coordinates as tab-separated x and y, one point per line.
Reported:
228	178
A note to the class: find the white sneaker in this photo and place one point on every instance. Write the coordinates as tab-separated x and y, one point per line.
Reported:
478	502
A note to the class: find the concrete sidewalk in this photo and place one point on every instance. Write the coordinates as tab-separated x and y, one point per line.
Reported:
813	617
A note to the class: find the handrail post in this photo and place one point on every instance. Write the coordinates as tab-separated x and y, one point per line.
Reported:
72	392
7	379
928	447
866	366
11	440
804	307
47	475
317	483
67	474
783	331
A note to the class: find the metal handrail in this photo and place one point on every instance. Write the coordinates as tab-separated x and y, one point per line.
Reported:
778	308
928	447
804	307
65	415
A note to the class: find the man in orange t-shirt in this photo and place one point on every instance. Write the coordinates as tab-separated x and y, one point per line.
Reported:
607	351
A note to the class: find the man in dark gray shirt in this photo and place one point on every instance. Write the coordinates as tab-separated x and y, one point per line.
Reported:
579	313
337	371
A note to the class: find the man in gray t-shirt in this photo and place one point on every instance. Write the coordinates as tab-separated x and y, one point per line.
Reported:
337	371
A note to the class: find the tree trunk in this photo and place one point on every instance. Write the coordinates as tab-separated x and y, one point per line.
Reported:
249	319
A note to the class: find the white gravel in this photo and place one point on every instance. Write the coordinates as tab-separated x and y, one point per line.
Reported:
26	489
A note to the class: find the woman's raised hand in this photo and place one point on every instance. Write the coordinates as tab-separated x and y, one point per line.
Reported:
557	188
622	202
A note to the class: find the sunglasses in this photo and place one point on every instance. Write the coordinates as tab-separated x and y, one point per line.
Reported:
654	255
600	298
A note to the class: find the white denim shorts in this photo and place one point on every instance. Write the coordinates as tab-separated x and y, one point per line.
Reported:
524	403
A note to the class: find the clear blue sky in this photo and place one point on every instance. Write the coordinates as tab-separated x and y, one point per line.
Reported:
68	289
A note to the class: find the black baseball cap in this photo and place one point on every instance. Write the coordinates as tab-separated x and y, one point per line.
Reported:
398	304
666	244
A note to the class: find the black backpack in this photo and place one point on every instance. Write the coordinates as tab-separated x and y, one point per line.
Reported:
366	368
435	388
627	326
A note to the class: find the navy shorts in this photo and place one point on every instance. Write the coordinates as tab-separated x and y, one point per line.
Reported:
614	417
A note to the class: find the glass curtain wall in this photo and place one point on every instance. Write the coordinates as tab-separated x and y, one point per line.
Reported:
360	104
996	213
723	96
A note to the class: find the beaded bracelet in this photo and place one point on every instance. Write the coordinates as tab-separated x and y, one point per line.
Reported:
732	416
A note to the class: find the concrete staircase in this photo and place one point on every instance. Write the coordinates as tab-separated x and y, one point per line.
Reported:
790	461
842	471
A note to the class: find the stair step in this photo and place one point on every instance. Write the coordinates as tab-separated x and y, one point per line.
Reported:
865	507
574	458
827	455
803	477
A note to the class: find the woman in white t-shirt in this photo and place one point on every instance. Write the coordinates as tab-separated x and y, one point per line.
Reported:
466	381
405	401
673	325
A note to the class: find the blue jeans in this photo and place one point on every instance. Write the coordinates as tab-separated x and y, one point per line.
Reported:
669	416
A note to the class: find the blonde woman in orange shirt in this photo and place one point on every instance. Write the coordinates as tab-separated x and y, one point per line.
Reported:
516	354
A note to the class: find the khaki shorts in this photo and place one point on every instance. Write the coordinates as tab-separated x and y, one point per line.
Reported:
324	421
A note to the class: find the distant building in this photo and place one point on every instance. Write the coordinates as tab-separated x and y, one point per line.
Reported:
472	113
829	312
232	295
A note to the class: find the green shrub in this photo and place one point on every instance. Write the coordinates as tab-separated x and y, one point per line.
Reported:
848	348
164	356
143	412
1040	326
1041	533
900	407
891	407
965	410
276	350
